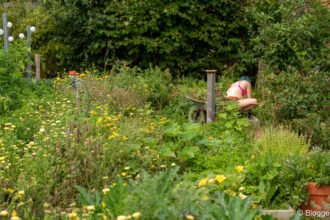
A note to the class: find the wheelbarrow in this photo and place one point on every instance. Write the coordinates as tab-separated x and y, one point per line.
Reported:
197	113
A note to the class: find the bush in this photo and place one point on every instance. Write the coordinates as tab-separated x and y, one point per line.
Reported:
150	86
299	100
269	154
12	68
186	37
289	33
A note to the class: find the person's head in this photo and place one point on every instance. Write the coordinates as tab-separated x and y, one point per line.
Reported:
245	78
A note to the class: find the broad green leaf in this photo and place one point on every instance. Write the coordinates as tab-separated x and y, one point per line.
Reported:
150	141
172	132
191	126
188	135
189	152
165	152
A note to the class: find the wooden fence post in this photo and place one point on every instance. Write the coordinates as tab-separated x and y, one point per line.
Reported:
37	62
210	105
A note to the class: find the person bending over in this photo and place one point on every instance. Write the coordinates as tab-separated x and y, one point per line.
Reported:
240	89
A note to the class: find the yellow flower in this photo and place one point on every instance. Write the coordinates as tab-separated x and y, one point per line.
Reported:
220	178
3	213
72	215
105	191
239	169
20	192
123	217
10	190
103	204
203	182
136	215
91	208
123	174
13	213
254	206
242	196
126	168
173	164
190	217
14	218
99	120
253	157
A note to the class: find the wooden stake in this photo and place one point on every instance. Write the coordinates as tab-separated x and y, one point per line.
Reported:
37	62
210	105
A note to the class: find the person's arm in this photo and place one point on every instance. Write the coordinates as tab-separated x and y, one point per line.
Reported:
249	90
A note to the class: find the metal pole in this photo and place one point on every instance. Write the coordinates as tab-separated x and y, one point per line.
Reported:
210	105
29	53
5	30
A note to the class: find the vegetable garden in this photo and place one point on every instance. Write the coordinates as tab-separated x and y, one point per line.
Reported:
135	155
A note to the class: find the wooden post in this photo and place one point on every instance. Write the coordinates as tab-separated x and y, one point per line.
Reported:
210	105
37	62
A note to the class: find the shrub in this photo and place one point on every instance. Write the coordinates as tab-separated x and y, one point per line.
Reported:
265	167
289	33
299	100
11	72
186	37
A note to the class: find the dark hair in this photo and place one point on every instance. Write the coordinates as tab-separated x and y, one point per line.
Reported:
245	78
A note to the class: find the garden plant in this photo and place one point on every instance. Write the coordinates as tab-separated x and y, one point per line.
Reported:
135	155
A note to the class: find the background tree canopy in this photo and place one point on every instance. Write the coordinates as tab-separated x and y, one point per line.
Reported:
186	36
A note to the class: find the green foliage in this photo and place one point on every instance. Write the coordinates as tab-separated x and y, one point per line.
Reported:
279	142
166	196
186	37
12	67
319	164
300	100
265	170
290	33
150	86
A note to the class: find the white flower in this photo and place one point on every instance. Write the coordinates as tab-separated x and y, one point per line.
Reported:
9	24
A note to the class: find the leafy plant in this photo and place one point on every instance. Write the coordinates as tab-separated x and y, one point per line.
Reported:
289	33
300	101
